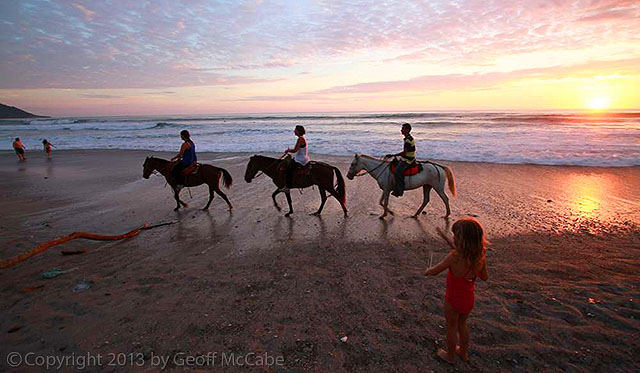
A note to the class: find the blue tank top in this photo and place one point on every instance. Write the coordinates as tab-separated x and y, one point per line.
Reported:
189	156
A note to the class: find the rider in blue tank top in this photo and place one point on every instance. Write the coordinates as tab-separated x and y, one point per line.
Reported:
187	156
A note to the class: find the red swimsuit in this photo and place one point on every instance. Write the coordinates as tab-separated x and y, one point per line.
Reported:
460	292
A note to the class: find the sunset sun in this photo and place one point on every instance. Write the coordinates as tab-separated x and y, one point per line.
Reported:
598	103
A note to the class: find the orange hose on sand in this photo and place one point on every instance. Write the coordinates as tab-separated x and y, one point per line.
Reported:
87	235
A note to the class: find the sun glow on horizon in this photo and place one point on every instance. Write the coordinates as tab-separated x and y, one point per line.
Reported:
599	103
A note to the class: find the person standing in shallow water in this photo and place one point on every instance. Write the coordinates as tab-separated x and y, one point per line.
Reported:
300	159
47	147
19	149
187	157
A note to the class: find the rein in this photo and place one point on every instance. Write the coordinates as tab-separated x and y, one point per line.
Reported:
157	171
360	173
271	165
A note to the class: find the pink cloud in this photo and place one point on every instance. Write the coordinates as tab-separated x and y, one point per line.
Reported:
487	80
88	14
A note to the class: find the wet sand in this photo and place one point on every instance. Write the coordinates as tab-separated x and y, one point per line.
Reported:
563	294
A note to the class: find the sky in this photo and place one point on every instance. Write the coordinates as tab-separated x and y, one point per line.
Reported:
122	57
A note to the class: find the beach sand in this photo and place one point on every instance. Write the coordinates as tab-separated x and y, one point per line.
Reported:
563	293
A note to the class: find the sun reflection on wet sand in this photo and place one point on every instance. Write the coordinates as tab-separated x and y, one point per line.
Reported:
599	201
586	194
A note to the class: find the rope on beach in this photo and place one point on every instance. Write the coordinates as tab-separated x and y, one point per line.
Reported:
86	235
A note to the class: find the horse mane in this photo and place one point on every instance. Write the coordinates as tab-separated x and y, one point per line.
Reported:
265	157
159	159
374	158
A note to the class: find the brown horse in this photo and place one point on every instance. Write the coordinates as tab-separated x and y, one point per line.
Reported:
206	174
315	173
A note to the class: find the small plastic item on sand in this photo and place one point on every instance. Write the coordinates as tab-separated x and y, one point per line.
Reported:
32	288
344	339
82	286
55	273
73	252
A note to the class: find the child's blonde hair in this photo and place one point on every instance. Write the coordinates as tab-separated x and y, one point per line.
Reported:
470	239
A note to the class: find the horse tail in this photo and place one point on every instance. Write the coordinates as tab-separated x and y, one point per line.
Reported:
451	179
340	188
227	180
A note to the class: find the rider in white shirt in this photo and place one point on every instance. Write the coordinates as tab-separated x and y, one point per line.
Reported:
300	159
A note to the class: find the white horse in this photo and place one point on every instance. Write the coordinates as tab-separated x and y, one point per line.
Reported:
432	176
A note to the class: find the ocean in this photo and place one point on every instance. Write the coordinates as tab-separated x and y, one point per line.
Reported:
559	138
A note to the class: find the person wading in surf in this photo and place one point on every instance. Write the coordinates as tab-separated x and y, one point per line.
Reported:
19	149
407	157
187	157
47	147
300	159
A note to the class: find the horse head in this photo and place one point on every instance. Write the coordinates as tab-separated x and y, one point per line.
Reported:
147	167
355	167
251	171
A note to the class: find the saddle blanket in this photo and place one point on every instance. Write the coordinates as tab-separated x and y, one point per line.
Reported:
414	169
300	170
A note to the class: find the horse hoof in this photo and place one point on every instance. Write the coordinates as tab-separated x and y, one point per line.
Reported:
317	213
205	209
414	216
288	214
176	209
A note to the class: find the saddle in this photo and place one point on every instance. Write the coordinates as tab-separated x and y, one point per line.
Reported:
301	171
414	169
193	169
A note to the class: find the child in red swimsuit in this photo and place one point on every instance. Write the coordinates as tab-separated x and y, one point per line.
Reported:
466	261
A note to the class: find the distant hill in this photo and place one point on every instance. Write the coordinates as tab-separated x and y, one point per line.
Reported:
14	112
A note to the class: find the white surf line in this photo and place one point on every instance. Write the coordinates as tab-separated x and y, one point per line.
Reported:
227	158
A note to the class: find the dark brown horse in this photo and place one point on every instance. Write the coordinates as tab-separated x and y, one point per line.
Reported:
315	173
206	174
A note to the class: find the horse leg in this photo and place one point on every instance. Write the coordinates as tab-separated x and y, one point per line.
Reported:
426	190
175	195
224	197
210	198
323	196
289	202
445	199
273	196
385	203
334	193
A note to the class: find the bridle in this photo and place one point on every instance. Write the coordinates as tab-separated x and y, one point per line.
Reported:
157	171
364	172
